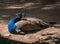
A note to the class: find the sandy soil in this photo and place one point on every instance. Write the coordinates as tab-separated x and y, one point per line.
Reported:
49	35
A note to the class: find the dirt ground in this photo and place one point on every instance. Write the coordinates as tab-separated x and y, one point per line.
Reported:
50	35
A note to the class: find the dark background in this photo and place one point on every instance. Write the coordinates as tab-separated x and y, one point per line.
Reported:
51	15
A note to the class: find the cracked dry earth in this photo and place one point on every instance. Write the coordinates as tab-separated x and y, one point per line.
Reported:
50	35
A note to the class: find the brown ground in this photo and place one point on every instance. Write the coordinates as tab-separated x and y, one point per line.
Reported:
49	35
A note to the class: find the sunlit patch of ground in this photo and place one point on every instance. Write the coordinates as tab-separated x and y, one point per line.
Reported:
15	6
51	6
31	5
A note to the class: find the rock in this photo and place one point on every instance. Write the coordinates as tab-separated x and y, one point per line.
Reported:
51	33
7	35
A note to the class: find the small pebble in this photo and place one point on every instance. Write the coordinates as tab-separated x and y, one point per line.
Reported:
7	35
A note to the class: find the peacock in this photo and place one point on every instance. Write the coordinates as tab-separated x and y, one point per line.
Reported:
21	24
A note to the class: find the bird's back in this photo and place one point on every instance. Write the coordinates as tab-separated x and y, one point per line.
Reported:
29	24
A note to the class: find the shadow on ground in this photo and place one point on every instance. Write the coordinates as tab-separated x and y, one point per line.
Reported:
9	41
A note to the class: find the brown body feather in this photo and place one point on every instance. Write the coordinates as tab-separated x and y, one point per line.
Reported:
29	23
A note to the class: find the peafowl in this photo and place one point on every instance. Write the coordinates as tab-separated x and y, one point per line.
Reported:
21	24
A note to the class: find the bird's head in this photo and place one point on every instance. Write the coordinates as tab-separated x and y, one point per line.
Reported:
20	15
